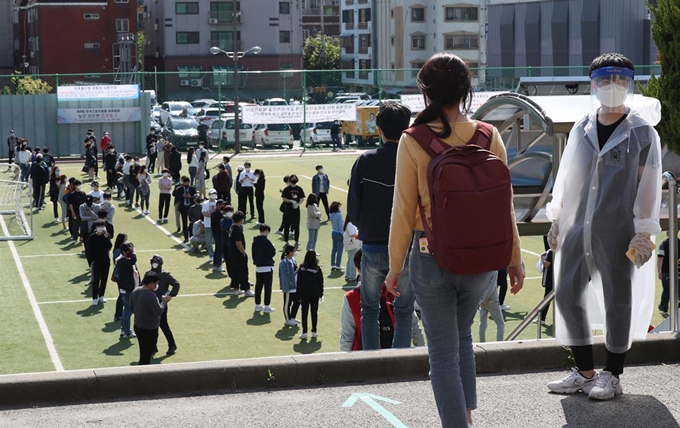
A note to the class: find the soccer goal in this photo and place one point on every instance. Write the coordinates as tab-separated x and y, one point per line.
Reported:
16	215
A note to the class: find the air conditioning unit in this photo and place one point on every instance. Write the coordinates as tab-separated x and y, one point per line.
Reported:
32	54
185	82
196	83
214	21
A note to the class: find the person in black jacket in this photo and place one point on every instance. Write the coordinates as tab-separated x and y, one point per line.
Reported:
369	208
309	291
259	195
75	199
168	287
263	258
128	279
110	161
215	219
98	249
239	257
175	165
103	215
184	197
39	177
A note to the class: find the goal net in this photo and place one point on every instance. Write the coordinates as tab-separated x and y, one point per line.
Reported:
16	215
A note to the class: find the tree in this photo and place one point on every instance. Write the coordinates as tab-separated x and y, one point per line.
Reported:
140	50
666	88
26	85
316	59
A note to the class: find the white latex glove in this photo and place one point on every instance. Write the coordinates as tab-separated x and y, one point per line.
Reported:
295	205
640	249
553	234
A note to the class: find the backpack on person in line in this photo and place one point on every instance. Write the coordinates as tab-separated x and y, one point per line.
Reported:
470	191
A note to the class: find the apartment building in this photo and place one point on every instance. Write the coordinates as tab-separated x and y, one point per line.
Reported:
6	37
320	17
71	36
357	42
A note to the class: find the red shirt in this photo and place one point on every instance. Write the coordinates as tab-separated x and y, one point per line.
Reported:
104	143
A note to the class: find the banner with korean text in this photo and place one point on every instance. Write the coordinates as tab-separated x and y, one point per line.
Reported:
98	92
296	113
99	115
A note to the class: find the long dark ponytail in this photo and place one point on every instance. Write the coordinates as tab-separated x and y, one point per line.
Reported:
444	80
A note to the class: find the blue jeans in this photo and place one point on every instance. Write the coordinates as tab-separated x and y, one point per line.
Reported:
448	304
311	242
192	173
209	241
374	268
131	193
336	253
336	141
350	269
127	313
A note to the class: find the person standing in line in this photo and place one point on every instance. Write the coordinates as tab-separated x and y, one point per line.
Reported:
313	221
105	142
216	233
96	192
207	209
336	135
309	291
61	192
664	269
98	249
263	252
200	173
48	159
237	184
239	257
128	280
192	163
546	264
337	223
24	157
222	183
288	284
351	243
195	214
160	153
168	288
167	153
321	186
12	142
148	311
110	230
88	215
292	196
225	228
247	181
110	161
76	199
491	306
260	183
151	152
164	196
282	208
184	195
134	182
39	177
503	288
121	238
175	163
55	182
225	162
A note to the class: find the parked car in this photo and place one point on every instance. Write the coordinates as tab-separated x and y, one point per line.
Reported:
156	113
182	132
226	125
194	112
275	102
275	134
208	116
172	108
224	106
153	124
319	133
203	103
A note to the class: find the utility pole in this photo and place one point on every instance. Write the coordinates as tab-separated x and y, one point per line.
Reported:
237	127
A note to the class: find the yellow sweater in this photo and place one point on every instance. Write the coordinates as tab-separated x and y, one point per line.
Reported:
411	184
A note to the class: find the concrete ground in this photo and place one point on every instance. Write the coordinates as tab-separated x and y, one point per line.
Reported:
650	400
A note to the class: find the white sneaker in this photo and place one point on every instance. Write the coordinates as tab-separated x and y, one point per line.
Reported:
295	322
102	299
56	220
505	307
607	387
303	336
210	258
268	309
315	334
259	308
237	292
258	224
290	323
95	302
278	232
573	383
535	321
250	293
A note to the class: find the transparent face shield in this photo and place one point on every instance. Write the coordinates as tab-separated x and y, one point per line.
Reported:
611	87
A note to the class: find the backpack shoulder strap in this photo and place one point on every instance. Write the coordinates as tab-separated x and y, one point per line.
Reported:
427	139
483	135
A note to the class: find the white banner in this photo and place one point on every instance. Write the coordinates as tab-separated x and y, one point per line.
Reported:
97	115
417	104
296	113
100	92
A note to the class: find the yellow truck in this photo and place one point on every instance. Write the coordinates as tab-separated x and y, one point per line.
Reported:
364	130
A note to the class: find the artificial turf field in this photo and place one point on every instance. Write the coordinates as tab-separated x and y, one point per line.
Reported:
207	323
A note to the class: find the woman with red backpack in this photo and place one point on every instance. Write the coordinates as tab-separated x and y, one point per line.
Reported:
459	238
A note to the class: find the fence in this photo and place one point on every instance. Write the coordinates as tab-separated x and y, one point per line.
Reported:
228	83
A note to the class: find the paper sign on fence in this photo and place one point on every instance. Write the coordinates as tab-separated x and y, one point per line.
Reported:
296	113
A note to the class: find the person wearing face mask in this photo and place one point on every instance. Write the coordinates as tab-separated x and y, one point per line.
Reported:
110	161
108	206
168	288
76	198
98	249
225	227
260	183
88	215
11	144
321	186
164	191
128	280
207	209
247	181
222	183
61	192
55	183
133	183
96	193
292	197
216	232
148	311
605	215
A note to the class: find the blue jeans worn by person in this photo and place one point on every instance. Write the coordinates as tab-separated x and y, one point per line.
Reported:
374	268
131	189
217	254
311	242
337	143
350	269
448	303
192	173
127	313
336	253
209	241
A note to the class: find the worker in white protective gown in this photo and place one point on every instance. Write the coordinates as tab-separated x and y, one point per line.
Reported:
605	204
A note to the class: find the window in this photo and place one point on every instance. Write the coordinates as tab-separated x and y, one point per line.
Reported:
188	37
417	43
462	41
364	43
91	16
15	16
123	25
186	8
364	17
364	64
416	66
347	43
460	14
284	36
348	16
91	45
223	11
284	8
224	40
122	1
418	14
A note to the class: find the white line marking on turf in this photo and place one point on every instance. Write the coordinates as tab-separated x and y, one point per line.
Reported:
531	252
164	230
181	295
336	188
58	366
79	254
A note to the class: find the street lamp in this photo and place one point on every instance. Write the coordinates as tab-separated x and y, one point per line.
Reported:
236	55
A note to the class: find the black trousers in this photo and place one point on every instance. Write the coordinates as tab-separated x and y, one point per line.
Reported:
291	221
323	197
174	175
225	196
263	280
308	304
246	193
583	356
291	304
147	340
184	213
163	205
548	289
111	178
100	274
165	328
239	269
152	162
259	201
11	156
503	284
227	259
38	194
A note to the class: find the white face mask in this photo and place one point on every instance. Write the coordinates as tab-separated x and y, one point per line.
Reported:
154	265
613	96
79	187
321	172
100	230
213	197
230	215
136	163
165	175
156	287
247	169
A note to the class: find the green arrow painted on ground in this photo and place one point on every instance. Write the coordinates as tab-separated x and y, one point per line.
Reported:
371	399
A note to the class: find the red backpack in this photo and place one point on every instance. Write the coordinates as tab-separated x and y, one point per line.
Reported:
470	198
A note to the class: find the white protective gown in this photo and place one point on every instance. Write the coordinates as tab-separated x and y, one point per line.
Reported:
601	199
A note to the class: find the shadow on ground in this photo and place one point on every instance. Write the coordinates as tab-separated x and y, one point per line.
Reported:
624	411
